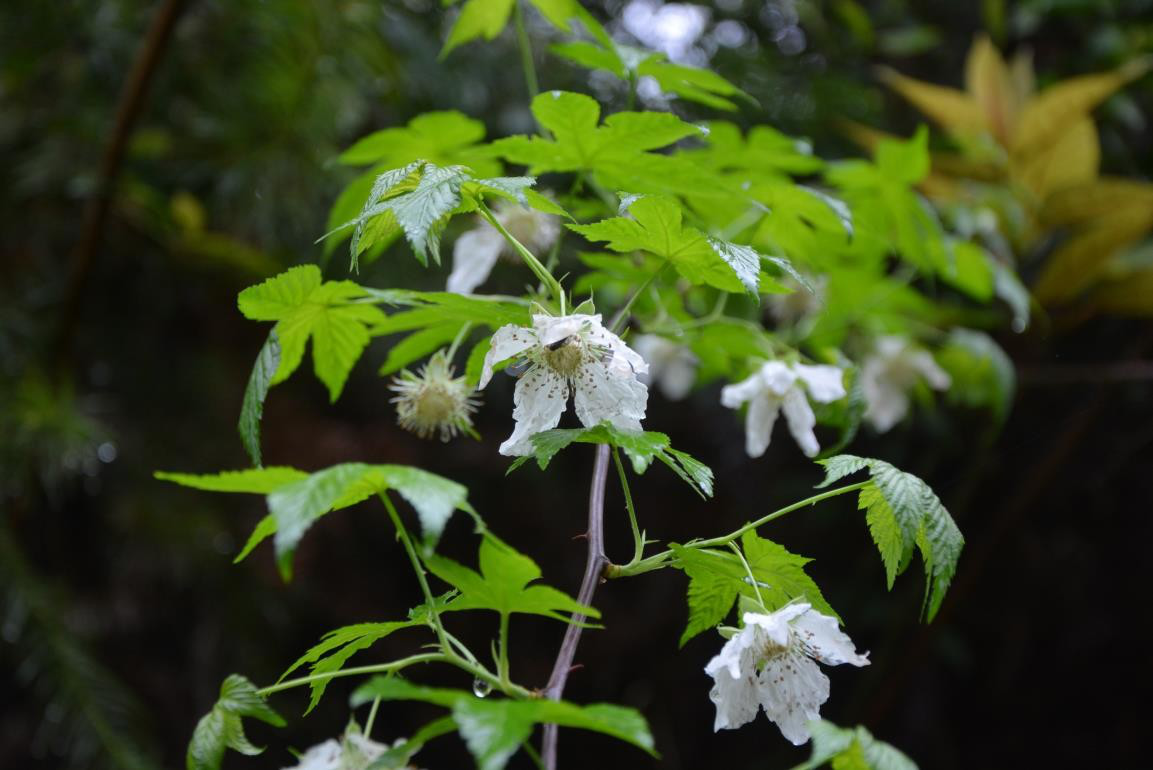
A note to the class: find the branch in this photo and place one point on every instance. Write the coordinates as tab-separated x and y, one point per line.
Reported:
593	567
99	206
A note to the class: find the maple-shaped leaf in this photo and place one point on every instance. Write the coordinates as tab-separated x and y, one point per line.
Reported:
503	584
334	314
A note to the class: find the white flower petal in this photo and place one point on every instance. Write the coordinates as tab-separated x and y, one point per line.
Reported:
886	404
539	398
801	421
762	414
677	378
824	640
791	690
775	625
608	392
552	329
825	383
323	756
778	377
473	256
924	363
507	341
733	396
734	690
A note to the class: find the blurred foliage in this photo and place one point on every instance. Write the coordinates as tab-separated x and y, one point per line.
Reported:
230	176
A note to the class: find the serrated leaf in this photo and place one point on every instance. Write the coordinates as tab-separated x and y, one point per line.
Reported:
493	731
252	408
503	584
852	748
259	481
478	18
691	470
885	531
744	260
710	595
656	227
222	728
921	519
782	575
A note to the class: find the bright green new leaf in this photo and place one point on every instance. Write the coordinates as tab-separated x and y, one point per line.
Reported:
656	227
502	584
252	409
852	749
296	500
710	595
488	18
916	513
333	314
446	138
222	728
335	649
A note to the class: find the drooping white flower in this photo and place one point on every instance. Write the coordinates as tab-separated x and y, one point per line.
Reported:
770	664
799	304
572	354
433	401
887	375
672	367
353	752
475	252
776	386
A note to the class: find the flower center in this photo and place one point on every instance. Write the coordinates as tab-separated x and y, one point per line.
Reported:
565	357
435	404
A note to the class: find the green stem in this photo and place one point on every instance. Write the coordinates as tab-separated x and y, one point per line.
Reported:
748	571
533	263
525	45
638	538
380	668
661	560
502	664
460	337
623	314
417	567
371	717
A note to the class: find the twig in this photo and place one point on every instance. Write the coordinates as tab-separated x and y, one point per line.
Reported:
593	567
99	206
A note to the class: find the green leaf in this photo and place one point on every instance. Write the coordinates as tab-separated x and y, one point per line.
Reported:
641	448
446	138
258	481
981	371
296	499
710	595
502	584
783	573
495	729
854	748
419	345
332	314
478	18
222	728
744	260
252	409
335	649
918	515
656	227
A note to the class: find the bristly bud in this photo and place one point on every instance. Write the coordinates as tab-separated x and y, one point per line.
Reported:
434	401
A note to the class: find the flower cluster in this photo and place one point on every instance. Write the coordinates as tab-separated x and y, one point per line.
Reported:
353	752
475	252
769	664
777	385
572	354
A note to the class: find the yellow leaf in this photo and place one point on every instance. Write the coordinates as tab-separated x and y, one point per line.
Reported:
1133	296
1046	117
953	110
989	84
1077	263
1103	197
1071	159
1022	75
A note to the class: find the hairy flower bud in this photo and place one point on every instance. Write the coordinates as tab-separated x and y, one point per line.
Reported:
433	400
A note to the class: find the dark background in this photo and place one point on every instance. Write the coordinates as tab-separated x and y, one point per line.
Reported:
120	610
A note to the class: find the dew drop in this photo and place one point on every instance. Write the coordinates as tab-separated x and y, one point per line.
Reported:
481	688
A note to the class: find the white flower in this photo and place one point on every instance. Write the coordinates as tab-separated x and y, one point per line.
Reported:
353	752
672	367
770	664
889	373
568	354
475	252
778	385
